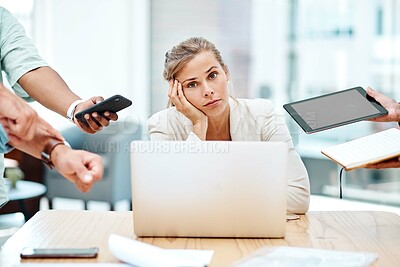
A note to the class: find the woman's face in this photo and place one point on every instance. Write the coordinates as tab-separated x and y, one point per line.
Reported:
205	84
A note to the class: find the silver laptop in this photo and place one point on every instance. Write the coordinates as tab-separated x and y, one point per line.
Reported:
209	189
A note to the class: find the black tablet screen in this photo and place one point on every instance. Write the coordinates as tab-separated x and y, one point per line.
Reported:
334	109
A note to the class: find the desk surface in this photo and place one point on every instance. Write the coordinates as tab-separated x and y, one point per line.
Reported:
377	232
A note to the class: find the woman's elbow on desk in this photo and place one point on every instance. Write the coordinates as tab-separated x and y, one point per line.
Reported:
298	203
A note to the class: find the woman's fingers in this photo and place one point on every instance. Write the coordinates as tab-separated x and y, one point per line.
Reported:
171	85
181	95
174	95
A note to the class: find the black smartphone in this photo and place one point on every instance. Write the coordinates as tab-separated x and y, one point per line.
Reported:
112	104
30	253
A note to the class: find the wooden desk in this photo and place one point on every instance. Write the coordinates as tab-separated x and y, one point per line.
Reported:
377	232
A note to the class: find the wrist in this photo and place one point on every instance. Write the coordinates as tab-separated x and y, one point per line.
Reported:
201	121
72	108
200	129
51	149
57	151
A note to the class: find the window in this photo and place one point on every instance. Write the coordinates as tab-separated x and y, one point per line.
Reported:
290	50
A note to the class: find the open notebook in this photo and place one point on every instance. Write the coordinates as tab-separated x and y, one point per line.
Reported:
367	150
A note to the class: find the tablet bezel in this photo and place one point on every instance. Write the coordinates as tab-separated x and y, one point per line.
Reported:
306	127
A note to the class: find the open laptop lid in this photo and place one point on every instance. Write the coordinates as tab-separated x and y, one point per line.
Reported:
209	189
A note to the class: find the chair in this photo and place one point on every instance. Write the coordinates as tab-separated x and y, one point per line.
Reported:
113	145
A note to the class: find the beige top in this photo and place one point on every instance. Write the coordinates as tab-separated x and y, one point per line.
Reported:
250	120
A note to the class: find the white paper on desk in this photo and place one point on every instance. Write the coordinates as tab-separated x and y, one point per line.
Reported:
295	256
141	254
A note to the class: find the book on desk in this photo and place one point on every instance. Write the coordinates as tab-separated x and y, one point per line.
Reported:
367	150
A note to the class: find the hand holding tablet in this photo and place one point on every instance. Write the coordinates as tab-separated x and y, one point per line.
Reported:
334	110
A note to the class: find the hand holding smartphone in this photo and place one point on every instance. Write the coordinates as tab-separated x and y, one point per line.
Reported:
112	104
31	253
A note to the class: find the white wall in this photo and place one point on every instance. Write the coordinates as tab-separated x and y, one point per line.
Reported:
99	47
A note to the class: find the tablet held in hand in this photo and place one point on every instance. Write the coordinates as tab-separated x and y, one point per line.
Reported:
334	110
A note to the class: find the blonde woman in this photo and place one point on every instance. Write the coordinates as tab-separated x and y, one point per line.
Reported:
201	109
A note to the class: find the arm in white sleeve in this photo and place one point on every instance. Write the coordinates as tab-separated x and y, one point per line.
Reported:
298	199
168	125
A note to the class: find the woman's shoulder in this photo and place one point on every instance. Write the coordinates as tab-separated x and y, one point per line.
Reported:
163	114
255	106
169	124
167	116
255	101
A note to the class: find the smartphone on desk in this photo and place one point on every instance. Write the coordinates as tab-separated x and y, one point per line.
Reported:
111	104
31	253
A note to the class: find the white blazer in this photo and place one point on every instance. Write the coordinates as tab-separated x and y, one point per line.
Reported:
250	120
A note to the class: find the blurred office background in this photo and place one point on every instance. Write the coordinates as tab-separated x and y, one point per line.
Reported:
283	50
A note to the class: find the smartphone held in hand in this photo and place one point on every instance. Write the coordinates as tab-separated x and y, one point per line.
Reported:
112	104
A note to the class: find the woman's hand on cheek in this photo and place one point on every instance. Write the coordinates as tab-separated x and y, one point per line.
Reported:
198	118
178	98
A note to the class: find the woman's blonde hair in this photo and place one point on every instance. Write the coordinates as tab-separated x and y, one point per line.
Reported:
182	53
